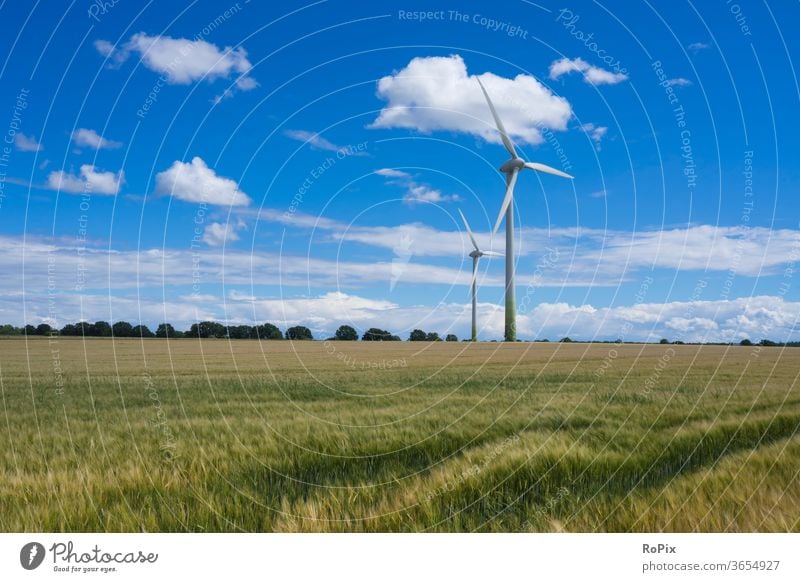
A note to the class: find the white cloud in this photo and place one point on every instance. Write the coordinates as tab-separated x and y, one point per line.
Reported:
26	143
390	173
420	193
217	234
679	82
104	47
89	181
246	83
744	251
196	182
696	321
749	252
90	138
698	46
437	94
316	141
613	254
416	193
154	282
591	74
182	61
595	132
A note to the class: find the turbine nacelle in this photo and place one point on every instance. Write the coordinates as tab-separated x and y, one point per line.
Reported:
477	254
512	164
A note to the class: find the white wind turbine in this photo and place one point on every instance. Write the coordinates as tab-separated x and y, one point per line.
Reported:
476	255
511	168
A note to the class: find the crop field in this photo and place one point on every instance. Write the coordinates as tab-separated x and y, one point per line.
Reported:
216	435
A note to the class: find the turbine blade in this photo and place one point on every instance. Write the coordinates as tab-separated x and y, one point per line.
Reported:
492	254
511	180
546	169
469	231
498	123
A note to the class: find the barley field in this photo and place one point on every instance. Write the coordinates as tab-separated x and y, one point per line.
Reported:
214	435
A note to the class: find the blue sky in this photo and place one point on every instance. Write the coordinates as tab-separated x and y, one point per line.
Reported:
304	163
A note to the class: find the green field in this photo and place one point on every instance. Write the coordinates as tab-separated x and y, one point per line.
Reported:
212	435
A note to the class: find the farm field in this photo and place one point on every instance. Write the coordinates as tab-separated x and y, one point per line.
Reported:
212	435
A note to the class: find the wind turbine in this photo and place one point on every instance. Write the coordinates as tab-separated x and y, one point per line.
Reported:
476	255
511	168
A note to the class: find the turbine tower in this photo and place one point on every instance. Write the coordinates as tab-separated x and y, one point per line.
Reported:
511	168
476	255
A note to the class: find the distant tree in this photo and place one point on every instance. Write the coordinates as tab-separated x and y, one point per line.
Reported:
677	343
100	329
299	332
345	333
69	329
141	331
663	340
241	332
44	329
417	336
268	331
375	334
745	342
432	337
208	329
767	343
29	330
122	329
165	330
9	329
566	340
451	337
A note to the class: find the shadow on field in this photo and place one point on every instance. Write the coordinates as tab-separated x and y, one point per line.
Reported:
530	496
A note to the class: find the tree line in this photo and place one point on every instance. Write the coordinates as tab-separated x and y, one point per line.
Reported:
212	329
268	331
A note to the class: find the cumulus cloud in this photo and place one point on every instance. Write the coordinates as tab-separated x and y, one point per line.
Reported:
26	143
420	193
437	94
591	74
196	182
104	47
153	282
90	138
416	193
183	61
595	132
690	321
89	181
217	234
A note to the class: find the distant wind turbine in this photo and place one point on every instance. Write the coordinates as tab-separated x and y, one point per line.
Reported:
511	168
476	255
